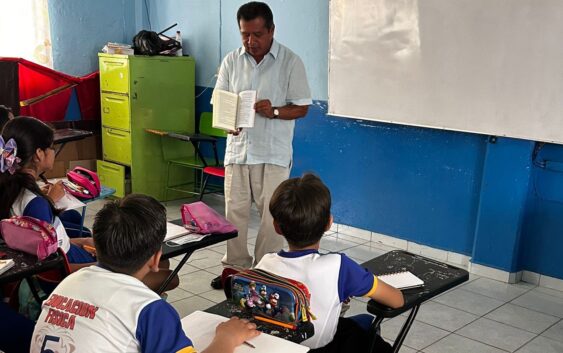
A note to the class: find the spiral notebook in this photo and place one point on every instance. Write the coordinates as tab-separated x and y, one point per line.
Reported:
402	280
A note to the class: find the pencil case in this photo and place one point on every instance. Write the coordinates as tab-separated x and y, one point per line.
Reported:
82	183
200	218
273	299
30	235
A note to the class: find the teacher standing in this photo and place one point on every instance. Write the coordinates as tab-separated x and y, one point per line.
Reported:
258	159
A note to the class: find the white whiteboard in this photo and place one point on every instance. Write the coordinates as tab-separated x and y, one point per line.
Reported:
486	66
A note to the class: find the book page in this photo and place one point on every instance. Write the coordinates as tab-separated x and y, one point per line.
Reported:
246	112
224	109
174	231
69	202
200	327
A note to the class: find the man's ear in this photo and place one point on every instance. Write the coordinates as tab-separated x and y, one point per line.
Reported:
277	228
329	223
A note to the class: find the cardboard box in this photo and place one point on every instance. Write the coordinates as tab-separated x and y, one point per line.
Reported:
83	152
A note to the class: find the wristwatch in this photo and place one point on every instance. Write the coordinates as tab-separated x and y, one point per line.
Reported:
276	113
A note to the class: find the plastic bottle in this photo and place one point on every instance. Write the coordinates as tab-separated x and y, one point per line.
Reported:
179	39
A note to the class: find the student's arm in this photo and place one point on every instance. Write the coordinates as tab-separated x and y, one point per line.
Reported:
231	334
39	208
159	330
356	281
387	295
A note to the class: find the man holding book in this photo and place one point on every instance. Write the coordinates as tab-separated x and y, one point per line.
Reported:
258	158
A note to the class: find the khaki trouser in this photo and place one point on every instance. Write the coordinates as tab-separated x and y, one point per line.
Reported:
243	185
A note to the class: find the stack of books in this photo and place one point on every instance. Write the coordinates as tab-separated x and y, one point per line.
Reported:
118	48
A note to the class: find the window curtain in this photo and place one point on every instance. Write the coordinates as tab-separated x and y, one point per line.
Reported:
25	32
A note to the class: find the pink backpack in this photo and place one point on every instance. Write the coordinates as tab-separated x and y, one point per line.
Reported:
202	219
30	235
82	183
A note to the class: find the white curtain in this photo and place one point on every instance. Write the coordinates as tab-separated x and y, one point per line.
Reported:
25	32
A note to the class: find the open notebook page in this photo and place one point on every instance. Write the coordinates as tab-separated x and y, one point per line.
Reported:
174	231
402	280
200	327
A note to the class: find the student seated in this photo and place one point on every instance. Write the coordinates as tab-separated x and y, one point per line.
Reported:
31	155
107	308
301	211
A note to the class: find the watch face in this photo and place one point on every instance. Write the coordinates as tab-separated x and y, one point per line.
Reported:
276	112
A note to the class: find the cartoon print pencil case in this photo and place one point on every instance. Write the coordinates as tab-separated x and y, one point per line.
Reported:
82	183
274	299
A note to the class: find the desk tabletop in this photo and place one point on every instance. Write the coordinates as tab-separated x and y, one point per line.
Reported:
169	250
67	135
27	265
438	277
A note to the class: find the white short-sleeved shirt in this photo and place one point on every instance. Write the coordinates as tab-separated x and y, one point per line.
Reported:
96	310
330	278
279	77
31	205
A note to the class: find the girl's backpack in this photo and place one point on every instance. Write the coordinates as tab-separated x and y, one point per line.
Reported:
30	235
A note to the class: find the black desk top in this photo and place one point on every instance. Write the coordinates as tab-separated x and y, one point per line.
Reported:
67	135
438	277
27	265
172	251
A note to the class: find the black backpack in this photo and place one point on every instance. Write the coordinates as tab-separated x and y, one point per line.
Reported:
150	43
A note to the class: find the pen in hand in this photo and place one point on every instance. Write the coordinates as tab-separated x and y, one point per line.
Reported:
249	344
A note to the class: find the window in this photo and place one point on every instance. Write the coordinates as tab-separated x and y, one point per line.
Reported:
25	32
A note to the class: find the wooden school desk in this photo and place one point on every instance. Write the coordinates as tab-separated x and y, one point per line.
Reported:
169	251
62	136
438	277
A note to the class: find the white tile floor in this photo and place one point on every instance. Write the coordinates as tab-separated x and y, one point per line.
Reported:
482	315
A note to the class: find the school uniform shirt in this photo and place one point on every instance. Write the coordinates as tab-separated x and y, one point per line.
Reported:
330	278
32	205
280	77
96	310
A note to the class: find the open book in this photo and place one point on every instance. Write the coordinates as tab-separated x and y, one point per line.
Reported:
174	231
232	111
200	327
402	280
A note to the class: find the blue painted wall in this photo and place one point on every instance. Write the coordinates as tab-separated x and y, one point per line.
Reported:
80	28
450	190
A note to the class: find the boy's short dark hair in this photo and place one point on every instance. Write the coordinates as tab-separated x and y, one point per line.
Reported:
255	9
128	232
301	209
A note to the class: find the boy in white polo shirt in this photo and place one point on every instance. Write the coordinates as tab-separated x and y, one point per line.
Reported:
301	211
107	308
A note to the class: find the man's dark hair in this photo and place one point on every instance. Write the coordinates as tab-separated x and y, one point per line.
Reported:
128	232
254	9
301	209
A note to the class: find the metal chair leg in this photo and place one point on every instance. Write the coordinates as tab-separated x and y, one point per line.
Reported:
203	186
